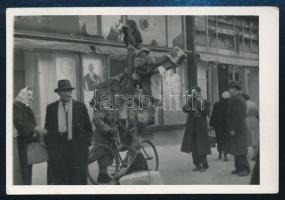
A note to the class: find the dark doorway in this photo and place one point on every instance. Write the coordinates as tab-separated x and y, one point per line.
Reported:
223	78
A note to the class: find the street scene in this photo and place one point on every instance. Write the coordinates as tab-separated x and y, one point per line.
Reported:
176	167
136	100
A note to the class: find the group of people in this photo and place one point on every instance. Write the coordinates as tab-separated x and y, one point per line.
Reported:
235	119
66	136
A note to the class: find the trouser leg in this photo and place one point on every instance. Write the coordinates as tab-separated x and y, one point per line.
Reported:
195	157
204	162
244	163
237	163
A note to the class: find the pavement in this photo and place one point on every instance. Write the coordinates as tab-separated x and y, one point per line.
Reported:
176	167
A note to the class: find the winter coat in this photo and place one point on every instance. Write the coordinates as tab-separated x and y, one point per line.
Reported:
81	138
197	125
236	122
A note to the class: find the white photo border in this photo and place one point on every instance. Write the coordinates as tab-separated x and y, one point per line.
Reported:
269	101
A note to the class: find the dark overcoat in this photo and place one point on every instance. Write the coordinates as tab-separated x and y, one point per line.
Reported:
81	139
218	121
24	122
237	145
200	128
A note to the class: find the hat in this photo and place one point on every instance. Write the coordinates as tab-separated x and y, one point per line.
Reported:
234	85
196	87
63	84
147	50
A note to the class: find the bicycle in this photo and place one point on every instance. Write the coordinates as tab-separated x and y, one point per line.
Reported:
122	157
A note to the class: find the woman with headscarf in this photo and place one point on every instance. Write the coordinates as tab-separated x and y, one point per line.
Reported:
28	131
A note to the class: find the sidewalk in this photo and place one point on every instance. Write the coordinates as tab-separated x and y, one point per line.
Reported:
176	166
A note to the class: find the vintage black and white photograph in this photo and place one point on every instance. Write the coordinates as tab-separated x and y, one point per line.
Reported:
136	99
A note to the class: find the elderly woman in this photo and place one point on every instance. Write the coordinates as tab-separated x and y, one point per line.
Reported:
28	131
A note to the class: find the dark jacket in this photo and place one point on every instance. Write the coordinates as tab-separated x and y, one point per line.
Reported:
197	125
63	157
103	131
24	122
219	115
81	128
236	122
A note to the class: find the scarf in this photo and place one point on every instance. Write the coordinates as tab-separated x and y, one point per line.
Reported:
65	119
23	98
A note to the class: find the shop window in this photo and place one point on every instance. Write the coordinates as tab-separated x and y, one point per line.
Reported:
153	29
19	72
111	25
90	25
117	65
174	31
48	24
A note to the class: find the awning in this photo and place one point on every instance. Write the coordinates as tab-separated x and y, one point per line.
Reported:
67	46
32	44
229	60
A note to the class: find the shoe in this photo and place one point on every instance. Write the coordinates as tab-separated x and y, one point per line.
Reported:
235	172
243	173
226	159
103	178
203	169
197	168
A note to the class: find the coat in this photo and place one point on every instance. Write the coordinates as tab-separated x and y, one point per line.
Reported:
24	122
81	139
217	121
252	123
237	144
200	128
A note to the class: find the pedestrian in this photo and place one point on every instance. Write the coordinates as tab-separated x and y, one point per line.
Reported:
69	134
28	132
237	130
196	139
105	132
252	124
217	121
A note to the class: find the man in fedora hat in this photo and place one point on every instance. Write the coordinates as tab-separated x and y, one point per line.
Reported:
69	134
237	130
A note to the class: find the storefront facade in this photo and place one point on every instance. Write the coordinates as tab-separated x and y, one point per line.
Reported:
49	48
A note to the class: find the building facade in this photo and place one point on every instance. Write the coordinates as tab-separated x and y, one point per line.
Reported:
219	49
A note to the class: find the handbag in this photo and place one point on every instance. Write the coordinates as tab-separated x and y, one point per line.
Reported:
37	153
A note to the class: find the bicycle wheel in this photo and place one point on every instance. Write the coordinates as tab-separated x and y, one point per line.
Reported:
104	155
150	154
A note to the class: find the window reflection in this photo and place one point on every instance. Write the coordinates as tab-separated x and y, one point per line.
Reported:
174	30
153	29
111	27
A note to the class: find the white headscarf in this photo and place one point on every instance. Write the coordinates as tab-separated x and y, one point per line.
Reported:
226	95
23	97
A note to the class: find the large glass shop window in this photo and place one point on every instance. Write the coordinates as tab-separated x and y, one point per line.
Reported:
52	24
173	89
175	33
111	25
89	26
152	28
